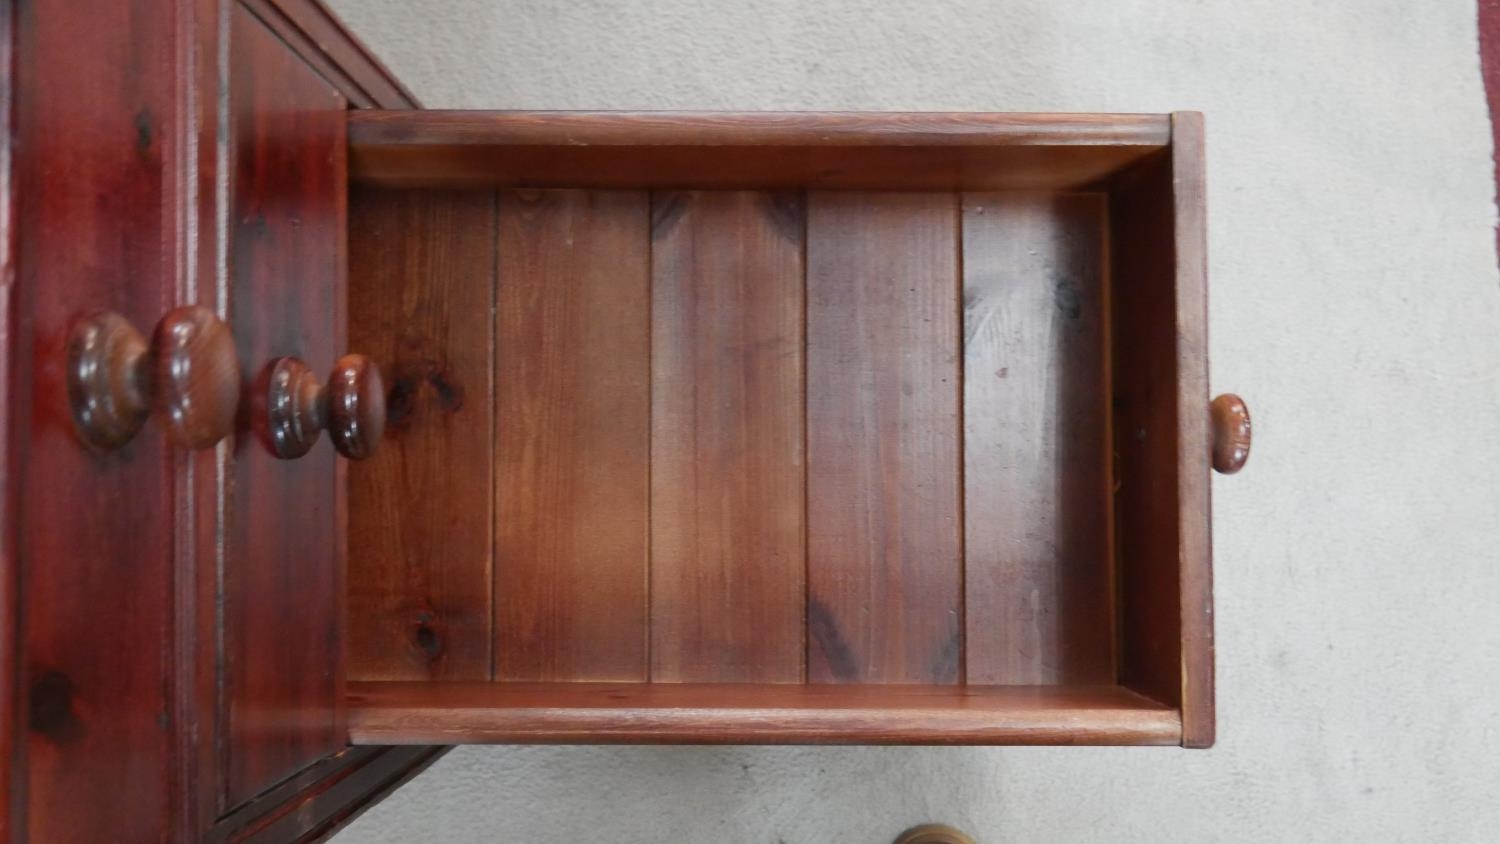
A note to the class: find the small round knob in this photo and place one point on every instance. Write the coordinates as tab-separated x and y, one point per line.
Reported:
188	375
1231	433
292	408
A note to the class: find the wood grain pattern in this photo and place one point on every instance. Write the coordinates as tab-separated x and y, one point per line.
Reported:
16	405
1039	583
573	440
283	574
421	302
765	150
884	568
727	471
1194	509
90	728
693	713
1161	431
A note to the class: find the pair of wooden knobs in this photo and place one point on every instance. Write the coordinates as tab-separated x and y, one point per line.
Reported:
188	375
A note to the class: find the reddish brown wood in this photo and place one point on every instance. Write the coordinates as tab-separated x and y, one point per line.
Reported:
884	568
14	405
432	128
1161	432
1194	511
286	407
290	408
936	151
1231	433
1039	579
573	436
421	302
282	577
713	713
110	663
202	498
109	380
315	34
356	406
188	374
727	468
195	387
324	798
90	684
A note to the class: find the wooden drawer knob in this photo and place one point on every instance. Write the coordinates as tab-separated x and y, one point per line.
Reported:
188	375
1231	433
292	407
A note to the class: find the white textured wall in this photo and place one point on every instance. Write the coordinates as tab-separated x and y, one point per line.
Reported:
1354	304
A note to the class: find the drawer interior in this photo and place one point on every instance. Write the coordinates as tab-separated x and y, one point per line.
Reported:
709	440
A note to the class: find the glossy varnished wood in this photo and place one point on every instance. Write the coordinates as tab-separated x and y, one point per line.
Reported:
325	797
432	127
1160	396
572	435
187	373
316	36
727	468
1039	583
90	732
283	578
121	202
109	380
195	386
931	151
884	567
421	302
976	516
1231	433
642	713
290	407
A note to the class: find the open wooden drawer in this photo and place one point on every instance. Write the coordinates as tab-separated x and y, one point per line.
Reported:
886	428
700	428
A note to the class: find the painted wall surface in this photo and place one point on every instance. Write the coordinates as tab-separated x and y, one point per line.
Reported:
1355	303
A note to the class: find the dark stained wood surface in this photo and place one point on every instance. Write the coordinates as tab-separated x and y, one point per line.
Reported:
1161	431
315	34
727	467
15	405
884	567
324	798
110	665
573	436
421	303
90	688
283	570
1039	583
647	713
934	151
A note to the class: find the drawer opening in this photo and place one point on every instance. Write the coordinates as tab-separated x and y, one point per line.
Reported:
718	430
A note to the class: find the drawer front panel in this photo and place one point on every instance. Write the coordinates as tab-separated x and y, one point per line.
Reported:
283	581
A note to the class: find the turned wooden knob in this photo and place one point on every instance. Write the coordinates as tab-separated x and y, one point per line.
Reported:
293	408
188	375
1231	433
